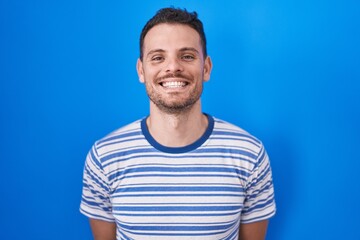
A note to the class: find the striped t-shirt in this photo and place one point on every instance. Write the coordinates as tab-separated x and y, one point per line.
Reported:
202	191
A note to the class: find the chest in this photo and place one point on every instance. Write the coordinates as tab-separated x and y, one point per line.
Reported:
159	196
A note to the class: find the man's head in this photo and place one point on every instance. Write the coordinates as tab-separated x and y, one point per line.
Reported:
173	64
174	16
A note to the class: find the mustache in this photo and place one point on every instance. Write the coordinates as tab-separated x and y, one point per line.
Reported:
172	75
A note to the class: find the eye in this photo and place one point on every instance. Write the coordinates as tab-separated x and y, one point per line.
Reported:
157	58
188	57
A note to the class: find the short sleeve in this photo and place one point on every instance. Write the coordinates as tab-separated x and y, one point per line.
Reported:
95	202
259	202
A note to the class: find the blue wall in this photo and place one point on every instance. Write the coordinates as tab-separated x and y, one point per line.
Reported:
287	72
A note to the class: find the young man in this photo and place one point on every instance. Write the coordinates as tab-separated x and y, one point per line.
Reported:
178	173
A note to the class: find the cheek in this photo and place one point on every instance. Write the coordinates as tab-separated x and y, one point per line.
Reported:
151	73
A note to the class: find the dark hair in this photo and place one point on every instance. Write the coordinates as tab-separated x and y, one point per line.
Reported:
174	16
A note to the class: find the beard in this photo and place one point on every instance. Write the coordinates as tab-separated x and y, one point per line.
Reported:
174	104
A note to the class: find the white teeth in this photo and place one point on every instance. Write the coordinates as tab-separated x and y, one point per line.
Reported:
173	84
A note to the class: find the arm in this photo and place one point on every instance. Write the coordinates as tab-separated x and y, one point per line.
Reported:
253	231
103	230
259	204
95	202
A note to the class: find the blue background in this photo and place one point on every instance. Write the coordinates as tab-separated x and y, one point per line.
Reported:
286	71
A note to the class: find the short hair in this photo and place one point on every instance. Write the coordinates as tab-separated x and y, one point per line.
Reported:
174	16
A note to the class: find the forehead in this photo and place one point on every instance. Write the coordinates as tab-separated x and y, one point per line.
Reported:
171	37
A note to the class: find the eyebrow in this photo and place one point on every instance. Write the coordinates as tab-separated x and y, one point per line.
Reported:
155	51
184	49
189	49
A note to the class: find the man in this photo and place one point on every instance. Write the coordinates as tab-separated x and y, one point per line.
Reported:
178	173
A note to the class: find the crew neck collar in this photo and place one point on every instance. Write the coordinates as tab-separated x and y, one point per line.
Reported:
183	149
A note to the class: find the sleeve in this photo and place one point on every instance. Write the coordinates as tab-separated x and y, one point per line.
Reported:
259	202
95	201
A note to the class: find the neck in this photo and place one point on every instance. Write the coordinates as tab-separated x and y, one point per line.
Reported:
177	130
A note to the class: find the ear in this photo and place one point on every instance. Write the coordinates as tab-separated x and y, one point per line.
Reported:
140	71
207	68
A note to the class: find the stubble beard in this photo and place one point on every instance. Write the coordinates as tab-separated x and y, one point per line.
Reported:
174	107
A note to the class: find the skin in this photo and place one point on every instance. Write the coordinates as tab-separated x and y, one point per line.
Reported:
253	231
173	53
103	230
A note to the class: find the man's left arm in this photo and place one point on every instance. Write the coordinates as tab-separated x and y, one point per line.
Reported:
253	231
259	204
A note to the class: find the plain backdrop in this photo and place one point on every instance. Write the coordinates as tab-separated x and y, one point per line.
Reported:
286	71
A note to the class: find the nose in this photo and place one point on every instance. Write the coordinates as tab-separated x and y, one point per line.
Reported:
174	65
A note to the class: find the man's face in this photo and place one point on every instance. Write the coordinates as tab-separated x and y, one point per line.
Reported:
173	67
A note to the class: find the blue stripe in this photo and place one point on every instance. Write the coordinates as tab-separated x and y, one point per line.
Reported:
181	184
175	228
94	178
263	189
183	223
232	234
189	170
181	195
220	156
176	208
263	174
182	175
176	214
181	189
94	159
175	234
95	204
259	206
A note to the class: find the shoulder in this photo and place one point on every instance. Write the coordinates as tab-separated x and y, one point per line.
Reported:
119	138
240	143
234	133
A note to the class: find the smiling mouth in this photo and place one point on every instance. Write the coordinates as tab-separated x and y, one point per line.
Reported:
174	84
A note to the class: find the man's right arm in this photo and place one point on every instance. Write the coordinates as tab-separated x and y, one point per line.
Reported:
95	201
103	230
